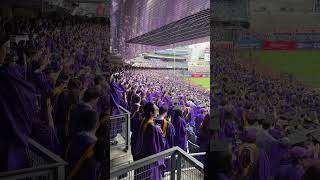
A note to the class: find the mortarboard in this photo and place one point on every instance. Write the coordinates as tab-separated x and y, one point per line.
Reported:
316	135
297	138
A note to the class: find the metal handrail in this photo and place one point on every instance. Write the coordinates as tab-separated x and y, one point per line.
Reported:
55	164
126	114
197	154
119	170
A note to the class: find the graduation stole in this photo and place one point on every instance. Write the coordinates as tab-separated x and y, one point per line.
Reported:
146	124
253	157
87	154
57	90
165	127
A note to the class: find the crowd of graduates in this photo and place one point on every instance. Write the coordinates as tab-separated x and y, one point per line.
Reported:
165	112
269	126
55	88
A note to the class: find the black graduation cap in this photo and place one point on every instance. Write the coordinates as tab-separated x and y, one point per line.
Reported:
294	122
220	145
316	135
297	138
305	131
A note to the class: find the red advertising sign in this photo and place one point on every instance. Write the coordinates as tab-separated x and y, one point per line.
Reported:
100	10
197	75
279	45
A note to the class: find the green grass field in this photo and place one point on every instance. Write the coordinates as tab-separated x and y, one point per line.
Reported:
303	65
204	82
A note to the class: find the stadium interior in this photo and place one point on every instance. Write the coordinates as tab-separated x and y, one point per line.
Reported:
160	89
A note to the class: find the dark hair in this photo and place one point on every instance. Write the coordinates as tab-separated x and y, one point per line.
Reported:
88	120
266	125
176	114
98	79
91	94
162	110
136	99
74	84
228	115
148	109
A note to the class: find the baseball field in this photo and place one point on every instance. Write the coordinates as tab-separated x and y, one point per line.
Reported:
304	65
203	82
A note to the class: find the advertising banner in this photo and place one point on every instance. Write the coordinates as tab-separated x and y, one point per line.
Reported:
308	45
250	44
279	45
197	75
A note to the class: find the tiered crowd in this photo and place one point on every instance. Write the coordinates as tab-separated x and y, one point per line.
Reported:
55	89
165	112
272	124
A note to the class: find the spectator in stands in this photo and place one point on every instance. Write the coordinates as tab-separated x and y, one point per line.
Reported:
295	169
179	124
19	114
135	121
89	102
150	140
166	126
66	101
82	150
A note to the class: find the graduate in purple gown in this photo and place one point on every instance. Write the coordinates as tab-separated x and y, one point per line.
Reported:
179	125
252	162
115	94
166	126
65	102
20	120
293	171
168	131
81	152
150	140
89	102
135	122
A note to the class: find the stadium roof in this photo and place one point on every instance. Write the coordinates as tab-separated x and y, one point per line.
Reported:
191	27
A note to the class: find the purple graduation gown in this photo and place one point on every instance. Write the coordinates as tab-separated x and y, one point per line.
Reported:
290	172
262	166
170	134
115	94
279	155
60	114
180	139
19	121
149	142
77	147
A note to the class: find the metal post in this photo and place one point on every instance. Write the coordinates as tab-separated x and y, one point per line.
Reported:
42	7
179	167
174	63
60	173
128	132
173	167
